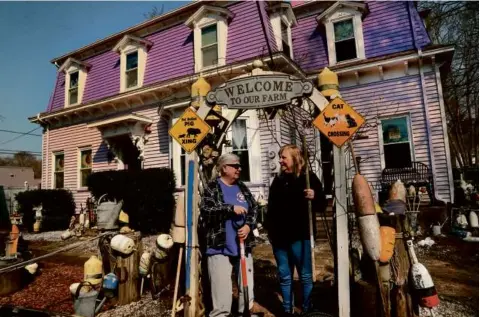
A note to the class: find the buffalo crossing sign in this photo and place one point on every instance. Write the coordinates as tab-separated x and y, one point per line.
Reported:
261	91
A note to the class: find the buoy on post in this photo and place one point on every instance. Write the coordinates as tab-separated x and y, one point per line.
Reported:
122	244
93	271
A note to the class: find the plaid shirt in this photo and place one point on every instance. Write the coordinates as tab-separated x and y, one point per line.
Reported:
214	212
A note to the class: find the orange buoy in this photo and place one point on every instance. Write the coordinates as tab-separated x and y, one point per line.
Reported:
362	196
387	236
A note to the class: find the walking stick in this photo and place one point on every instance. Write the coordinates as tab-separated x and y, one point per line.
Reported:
309	202
243	267
177	280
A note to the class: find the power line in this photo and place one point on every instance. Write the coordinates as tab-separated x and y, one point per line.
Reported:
19	136
16	151
16	132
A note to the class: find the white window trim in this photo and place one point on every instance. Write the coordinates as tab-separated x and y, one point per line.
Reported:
71	66
283	15
176	158
410	135
207	16
253	145
79	165
52	174
129	44
338	14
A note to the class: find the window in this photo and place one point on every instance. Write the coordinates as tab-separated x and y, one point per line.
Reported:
73	88
58	176
397	147
285	41
345	45
85	166
240	147
131	72
209	45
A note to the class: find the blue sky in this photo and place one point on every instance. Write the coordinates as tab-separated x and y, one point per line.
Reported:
32	34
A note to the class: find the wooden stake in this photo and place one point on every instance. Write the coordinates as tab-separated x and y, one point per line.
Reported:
177	281
309	202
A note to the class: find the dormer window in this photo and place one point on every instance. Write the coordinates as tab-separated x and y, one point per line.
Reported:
75	78
209	46
345	44
210	33
131	72
344	31
282	20
73	89
133	59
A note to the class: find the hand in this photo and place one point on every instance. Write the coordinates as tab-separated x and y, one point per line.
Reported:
239	210
243	232
309	193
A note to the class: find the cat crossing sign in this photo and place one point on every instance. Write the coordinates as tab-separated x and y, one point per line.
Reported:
189	130
338	122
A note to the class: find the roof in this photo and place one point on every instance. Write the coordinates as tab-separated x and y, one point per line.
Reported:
14	176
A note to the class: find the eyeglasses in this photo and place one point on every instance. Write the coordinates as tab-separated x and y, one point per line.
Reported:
235	166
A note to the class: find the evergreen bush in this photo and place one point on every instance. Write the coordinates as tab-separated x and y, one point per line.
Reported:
148	195
58	207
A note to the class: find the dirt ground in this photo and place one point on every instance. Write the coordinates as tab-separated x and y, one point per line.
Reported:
452	263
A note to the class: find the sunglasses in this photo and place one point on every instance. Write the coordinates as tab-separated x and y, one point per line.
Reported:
235	166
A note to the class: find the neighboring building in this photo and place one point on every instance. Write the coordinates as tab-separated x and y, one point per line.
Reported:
106	101
16	177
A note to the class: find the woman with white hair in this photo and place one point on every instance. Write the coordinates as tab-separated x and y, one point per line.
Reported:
228	213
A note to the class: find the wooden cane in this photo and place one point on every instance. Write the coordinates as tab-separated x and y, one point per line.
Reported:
309	202
177	280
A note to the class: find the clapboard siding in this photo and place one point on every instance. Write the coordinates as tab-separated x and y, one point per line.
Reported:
157	152
309	44
397	97
268	132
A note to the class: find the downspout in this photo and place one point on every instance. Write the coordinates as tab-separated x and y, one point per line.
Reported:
46	138
424	97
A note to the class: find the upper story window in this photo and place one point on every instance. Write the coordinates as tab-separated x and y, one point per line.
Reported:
209	45
282	20
133	59
344	31
131	72
73	89
75	78
210	33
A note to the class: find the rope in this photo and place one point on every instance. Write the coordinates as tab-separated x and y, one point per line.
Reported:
64	249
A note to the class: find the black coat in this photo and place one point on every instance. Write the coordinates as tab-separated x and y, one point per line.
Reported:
287	214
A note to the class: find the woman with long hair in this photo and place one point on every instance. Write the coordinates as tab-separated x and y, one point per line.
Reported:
287	223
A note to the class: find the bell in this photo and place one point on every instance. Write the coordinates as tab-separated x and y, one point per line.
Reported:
328	83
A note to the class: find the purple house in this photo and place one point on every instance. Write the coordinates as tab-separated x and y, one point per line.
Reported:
104	112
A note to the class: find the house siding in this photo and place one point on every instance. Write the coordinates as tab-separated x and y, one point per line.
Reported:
309	44
397	97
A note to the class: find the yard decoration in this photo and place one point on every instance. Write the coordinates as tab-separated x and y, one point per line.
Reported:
93	270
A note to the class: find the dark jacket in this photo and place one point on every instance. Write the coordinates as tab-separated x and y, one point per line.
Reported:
214	212
287	213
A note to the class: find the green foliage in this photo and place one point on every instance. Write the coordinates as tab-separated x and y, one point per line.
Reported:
147	195
58	208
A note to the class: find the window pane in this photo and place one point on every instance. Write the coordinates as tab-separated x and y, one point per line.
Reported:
73	80
395	130
343	30
132	78
58	179
244	161
84	176
239	133
86	159
73	98
210	55
209	35
346	50
397	155
59	162
132	60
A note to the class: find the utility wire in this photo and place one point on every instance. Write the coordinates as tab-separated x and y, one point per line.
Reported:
16	132
19	136
265	34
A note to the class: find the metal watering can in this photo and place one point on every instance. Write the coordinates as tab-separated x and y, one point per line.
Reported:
84	303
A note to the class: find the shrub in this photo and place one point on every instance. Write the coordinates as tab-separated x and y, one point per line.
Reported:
147	195
58	208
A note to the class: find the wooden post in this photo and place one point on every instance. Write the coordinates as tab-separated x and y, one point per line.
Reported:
127	273
341	220
310	216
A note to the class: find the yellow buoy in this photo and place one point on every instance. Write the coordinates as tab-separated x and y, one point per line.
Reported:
387	235
328	83
92	270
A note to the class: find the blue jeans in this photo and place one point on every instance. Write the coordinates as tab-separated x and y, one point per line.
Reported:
287	256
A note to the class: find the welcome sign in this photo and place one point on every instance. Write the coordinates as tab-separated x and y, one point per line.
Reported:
262	91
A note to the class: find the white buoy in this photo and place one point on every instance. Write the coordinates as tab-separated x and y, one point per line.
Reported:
369	228
473	219
164	243
122	244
